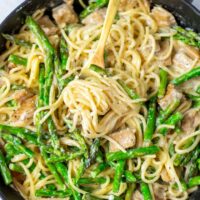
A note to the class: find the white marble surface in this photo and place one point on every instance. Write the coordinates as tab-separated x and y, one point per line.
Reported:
7	6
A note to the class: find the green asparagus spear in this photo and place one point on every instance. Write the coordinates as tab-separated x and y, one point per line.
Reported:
151	120
99	70
100	168
92	7
189	37
76	134
198	162
63	53
16	168
195	181
17	60
193	97
62	170
64	157
119	170
198	89
53	193
17	41
97	180
172	120
128	90
80	170
163	83
164	114
146	191
132	153
52	168
195	72
129	191
40	35
4	170
93	153
54	137
22	133
11	151
130	177
17	144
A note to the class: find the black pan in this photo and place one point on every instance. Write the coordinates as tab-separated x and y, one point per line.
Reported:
187	13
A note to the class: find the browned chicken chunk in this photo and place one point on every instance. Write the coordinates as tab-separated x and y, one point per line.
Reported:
159	191
126	138
137	196
26	101
171	95
181	59
64	14
190	121
48	26
25	112
97	17
21	95
163	17
185	55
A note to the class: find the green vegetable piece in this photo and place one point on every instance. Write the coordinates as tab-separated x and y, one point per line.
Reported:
132	153
151	120
163	83
128	90
17	41
146	191
53	193
172	120
130	177
163	115
99	70
129	191
93	153
17	60
195	72
4	170
119	170
195	181
100	168
92	7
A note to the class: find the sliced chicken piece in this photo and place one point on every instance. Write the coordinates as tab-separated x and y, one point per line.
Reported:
21	95
137	196
181	59
191	85
48	26
185	56
163	17
126	138
64	14
159	191
97	17
191	121
171	95
24	114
